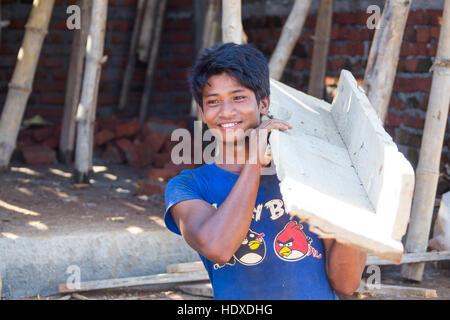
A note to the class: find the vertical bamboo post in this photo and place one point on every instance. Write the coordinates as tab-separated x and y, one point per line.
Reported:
152	60
320	54
232	30
208	36
73	89
87	107
289	36
383	56
22	79
427	172
131	55
147	29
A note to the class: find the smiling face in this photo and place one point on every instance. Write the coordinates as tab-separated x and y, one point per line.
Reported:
230	108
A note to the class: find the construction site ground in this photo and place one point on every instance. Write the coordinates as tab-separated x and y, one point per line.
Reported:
42	201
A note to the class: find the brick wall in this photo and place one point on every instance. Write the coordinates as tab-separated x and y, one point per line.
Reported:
349	48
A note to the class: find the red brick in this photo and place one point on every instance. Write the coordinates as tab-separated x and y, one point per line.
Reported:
423	34
103	137
127	129
136	154
409	65
149	187
113	154
413	122
154	140
51	142
108	122
39	155
160	159
41	134
162	174
392	120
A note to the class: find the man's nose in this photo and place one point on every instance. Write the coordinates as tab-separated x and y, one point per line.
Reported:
228	109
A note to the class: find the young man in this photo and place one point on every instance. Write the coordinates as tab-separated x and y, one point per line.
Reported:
231	214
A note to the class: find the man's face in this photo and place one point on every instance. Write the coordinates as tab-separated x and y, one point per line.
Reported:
230	108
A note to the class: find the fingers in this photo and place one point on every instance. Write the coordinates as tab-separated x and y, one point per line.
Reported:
269	125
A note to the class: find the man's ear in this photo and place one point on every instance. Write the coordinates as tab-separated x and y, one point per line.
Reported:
264	105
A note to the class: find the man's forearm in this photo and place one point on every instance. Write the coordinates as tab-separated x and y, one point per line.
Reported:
345	265
229	226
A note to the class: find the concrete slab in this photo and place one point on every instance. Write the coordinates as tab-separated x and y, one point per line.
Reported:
36	265
339	169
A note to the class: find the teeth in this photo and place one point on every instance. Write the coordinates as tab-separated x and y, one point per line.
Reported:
228	125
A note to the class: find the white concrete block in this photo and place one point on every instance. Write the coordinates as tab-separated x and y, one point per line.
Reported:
339	169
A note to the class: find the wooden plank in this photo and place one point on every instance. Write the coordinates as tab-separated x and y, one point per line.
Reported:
197	266
131	64
399	291
427	170
186	267
320	54
339	169
383	56
73	87
21	84
412	258
200	289
288	38
163	278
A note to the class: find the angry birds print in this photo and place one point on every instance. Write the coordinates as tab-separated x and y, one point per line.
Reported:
291	244
251	252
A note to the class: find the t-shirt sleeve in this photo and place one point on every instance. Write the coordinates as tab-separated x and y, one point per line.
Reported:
180	188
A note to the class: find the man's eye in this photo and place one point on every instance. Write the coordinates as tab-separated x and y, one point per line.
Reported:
211	102
239	98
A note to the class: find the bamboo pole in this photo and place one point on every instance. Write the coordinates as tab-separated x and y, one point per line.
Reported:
22	80
87	107
131	55
289	35
73	89
232	30
383	56
321	42
209	36
152	60
427	173
147	29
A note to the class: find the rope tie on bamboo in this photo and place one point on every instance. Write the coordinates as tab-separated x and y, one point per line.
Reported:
26	89
39	30
91	57
442	66
426	172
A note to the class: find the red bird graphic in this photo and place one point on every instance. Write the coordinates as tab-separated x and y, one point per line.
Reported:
291	244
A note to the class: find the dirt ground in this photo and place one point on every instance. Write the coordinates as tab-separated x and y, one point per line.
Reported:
40	201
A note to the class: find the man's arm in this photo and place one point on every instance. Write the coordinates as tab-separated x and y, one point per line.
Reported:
217	233
344	266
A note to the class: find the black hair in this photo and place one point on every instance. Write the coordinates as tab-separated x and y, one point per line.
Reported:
243	62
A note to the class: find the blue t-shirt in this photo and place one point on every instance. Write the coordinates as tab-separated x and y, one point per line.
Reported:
279	259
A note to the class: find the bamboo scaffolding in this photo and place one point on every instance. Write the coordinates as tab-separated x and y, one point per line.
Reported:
289	36
73	89
383	56
21	83
131	55
232	30
209	36
88	101
321	42
152	60
146	34
427	172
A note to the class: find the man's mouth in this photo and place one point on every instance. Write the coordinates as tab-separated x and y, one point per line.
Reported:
229	125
